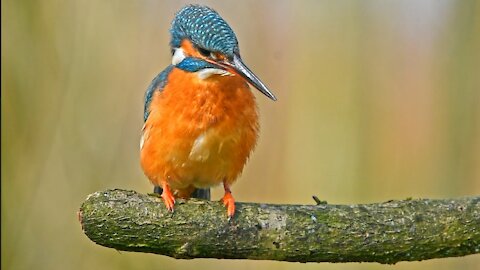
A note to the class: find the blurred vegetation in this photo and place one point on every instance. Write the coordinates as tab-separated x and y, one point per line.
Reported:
377	100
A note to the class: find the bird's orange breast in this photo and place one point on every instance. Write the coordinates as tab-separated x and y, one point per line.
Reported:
199	132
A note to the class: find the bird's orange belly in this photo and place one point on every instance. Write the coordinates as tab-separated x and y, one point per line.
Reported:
199	137
211	159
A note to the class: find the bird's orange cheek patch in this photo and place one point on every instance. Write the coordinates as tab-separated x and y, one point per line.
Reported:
189	49
219	56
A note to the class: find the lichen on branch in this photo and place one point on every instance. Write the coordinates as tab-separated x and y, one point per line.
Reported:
389	232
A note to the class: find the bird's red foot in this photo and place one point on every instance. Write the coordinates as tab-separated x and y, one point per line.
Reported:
229	203
168	198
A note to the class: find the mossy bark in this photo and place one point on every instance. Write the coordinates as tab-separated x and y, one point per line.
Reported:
389	232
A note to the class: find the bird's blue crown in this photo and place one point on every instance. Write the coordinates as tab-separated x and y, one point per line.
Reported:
205	28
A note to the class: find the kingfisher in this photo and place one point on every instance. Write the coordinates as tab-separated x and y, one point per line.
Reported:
200	116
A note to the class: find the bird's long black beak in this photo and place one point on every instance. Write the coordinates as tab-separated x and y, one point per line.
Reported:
240	68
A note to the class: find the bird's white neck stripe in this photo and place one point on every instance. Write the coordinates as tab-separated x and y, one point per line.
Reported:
178	56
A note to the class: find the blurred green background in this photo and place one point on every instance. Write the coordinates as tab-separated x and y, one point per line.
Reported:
378	100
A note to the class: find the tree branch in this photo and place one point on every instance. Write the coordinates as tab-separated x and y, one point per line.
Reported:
409	230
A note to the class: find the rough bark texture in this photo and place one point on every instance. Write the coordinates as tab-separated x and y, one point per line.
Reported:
388	232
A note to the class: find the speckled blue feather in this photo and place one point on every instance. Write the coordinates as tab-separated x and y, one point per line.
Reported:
191	64
205	28
157	84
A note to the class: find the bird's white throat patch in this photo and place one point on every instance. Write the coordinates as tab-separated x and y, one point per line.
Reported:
207	72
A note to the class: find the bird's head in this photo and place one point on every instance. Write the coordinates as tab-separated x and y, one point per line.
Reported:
203	42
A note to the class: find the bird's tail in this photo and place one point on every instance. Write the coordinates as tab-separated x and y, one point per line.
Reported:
199	193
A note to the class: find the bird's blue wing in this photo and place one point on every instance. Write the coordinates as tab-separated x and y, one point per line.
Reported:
157	84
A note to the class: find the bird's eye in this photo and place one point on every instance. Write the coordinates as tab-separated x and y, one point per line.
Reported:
204	52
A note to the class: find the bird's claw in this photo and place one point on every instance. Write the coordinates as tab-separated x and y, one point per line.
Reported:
168	199
229	203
